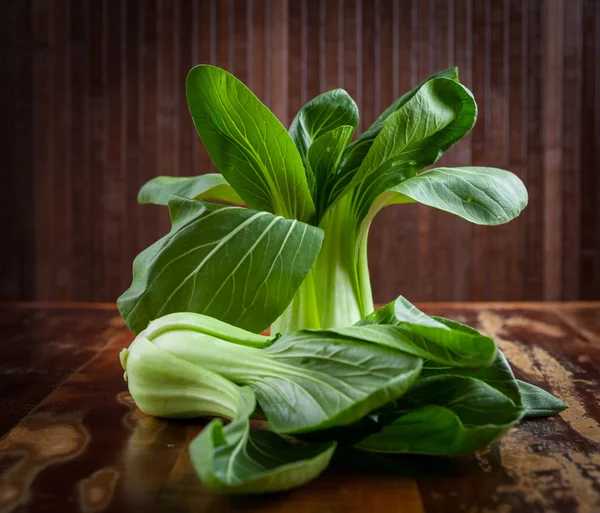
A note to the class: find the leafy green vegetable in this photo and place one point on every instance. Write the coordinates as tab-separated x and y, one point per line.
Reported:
446	415
303	381
539	403
482	195
209	187
232	459
234	264
401	325
333	369
357	151
248	144
322	115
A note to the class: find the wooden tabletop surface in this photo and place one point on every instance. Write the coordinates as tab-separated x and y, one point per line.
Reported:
72	440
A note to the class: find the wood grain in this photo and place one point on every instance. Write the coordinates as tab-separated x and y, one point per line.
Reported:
96	106
71	438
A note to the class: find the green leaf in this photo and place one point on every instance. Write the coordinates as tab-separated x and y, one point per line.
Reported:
445	415
539	403
402	326
356	152
209	187
323	114
323	380
248	144
498	375
234	264
482	195
323	160
416	135
232	459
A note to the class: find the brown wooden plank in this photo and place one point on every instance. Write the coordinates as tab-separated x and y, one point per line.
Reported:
135	175
534	277
480	138
296	55
350	76
279	27
240	40
443	224
168	88
79	154
47	344
590	211
462	231
114	206
542	464
553	158
426	38
44	185
187	133
113	457
333	47
16	158
258	51
517	77
98	148
499	238
80	161
313	50
383	236
205	52
399	248
571	168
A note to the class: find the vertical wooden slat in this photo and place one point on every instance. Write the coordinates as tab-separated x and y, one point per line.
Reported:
534	275
113	199
153	218
479	141
186	132
382	241
590	184
314	51
44	183
462	231
167	119
517	112
61	149
350	75
571	171
442	224
402	249
79	156
98	155
239	40
426	38
367	74
17	252
258	30
497	152
134	174
205	52
296	56
278	61
100	109
553	206
332	44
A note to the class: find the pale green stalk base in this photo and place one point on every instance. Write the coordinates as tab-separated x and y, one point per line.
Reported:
337	291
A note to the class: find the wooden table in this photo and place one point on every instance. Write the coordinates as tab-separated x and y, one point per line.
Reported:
72	440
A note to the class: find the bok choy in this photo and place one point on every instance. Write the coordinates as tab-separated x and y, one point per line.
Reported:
288	250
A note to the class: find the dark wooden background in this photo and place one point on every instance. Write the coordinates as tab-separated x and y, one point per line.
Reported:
92	105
